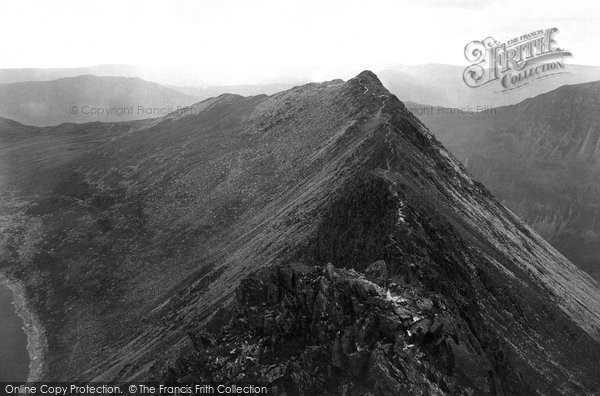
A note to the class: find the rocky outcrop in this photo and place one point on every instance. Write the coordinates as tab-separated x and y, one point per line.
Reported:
320	330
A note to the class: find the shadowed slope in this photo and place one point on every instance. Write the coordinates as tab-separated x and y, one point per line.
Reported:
145	238
541	158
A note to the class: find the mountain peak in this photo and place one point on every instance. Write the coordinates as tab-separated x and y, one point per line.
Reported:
369	82
369	78
368	75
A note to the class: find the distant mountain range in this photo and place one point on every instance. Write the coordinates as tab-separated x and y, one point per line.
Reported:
442	85
88	98
316	240
27	95
8	76
542	158
45	97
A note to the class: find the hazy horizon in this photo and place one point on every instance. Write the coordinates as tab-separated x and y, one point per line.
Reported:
234	42
170	78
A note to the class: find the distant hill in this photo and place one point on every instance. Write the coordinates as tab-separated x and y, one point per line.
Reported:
8	76
244	90
443	85
182	81
88	98
542	158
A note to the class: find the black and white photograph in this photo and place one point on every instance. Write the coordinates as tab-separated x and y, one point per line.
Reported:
286	197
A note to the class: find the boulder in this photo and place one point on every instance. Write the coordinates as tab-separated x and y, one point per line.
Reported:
377	271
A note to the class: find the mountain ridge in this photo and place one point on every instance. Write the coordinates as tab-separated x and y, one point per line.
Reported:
170	217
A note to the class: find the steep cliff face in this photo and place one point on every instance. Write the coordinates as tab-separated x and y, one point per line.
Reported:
541	158
147	237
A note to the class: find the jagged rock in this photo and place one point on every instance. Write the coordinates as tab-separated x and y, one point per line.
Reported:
425	304
437	325
421	327
403	313
388	323
377	271
364	288
387	380
350	338
329	272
